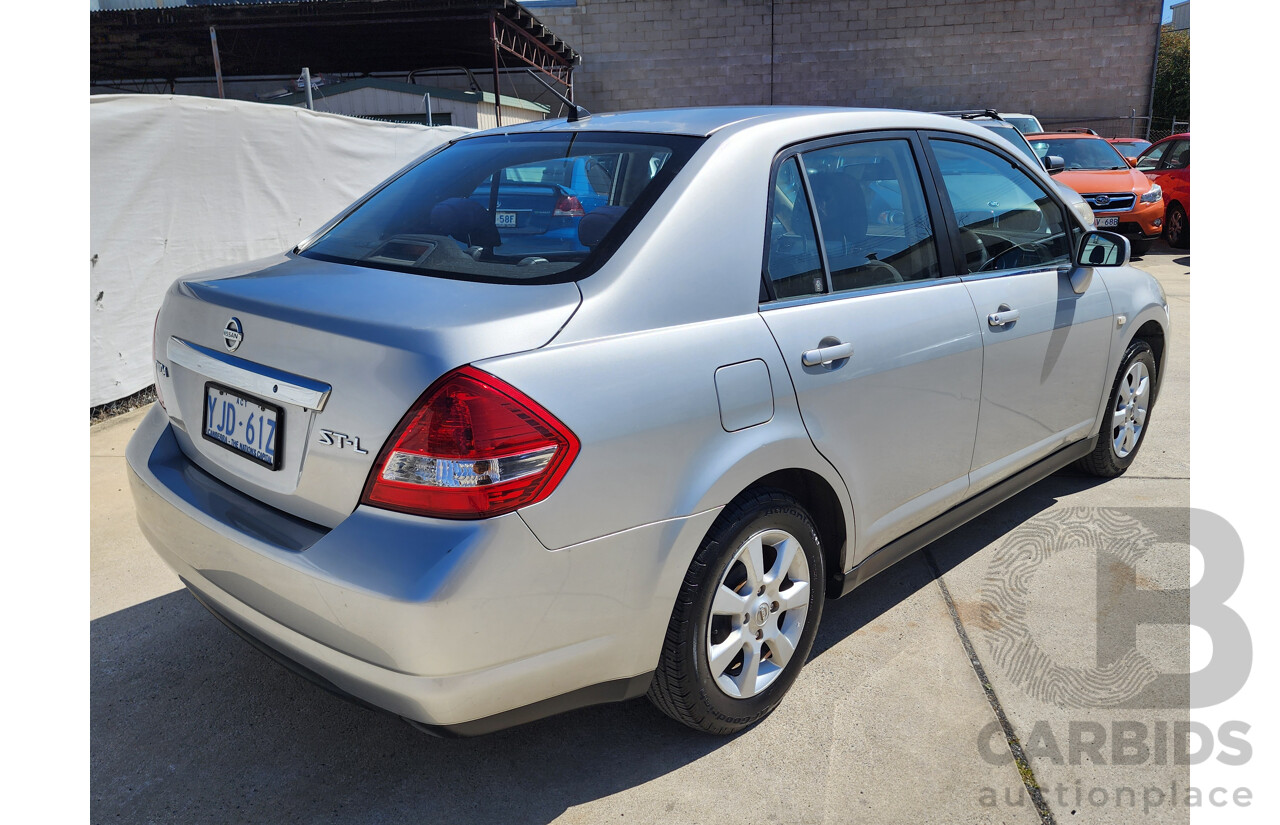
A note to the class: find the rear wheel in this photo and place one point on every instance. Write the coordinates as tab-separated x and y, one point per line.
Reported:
1177	227
745	618
1125	422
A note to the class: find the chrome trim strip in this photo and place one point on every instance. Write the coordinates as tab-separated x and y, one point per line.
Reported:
260	380
1038	269
846	294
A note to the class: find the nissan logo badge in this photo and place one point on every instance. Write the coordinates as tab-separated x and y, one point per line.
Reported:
233	334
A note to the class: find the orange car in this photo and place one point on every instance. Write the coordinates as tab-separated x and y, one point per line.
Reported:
1122	198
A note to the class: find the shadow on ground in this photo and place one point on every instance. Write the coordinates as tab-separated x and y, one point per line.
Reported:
191	724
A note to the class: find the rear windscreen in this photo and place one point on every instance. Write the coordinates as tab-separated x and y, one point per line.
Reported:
536	208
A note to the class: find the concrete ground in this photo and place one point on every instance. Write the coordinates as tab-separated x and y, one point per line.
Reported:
896	717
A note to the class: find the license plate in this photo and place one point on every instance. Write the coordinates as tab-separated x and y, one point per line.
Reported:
1104	223
244	424
507	219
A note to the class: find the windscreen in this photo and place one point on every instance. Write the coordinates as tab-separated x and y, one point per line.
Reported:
532	208
1130	150
1081	153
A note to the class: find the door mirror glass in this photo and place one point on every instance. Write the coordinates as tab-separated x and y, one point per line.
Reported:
1099	248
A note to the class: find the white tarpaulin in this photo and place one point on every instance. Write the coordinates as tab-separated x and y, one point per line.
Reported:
182	184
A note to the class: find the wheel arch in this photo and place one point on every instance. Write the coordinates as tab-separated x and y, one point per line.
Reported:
817	495
1154	334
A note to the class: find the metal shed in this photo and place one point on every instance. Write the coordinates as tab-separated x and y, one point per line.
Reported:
153	49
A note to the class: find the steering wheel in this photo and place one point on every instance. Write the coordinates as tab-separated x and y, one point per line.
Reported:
880	266
1041	253
972	245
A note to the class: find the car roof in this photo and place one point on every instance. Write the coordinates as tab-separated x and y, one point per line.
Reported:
1060	135
705	121
1127	140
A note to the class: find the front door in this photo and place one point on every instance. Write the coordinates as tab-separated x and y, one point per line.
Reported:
1045	348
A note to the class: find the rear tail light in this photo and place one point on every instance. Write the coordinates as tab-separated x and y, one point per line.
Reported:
568	207
471	447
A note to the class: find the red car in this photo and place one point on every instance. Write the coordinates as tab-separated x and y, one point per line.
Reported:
1168	163
1129	147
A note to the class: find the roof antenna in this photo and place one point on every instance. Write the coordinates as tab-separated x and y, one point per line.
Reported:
576	112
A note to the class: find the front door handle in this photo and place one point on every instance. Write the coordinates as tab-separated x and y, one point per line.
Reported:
826	356
1004	317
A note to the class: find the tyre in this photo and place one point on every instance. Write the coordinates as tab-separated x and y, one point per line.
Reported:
1125	423
745	618
1177	227
1138	248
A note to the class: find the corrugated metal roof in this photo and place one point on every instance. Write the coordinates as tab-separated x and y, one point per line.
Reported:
278	37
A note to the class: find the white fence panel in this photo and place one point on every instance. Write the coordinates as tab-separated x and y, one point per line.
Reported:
182	184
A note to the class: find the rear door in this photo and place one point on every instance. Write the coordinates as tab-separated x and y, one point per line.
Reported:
884	352
1045	348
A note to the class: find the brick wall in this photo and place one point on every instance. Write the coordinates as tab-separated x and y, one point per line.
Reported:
1059	59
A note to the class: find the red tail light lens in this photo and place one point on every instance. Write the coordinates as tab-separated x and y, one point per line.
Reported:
568	207
472	447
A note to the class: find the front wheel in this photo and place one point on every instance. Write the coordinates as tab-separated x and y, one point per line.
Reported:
746	616
1127	416
1138	248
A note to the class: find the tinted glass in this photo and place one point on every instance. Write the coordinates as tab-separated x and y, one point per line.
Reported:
1179	156
1151	159
871	210
794	266
1012	135
1080	153
532	208
1006	220
1130	150
1026	125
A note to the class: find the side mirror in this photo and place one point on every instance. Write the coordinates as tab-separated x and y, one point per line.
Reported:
1133	162
1053	163
1100	248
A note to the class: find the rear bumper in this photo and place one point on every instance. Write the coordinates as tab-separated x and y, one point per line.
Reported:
445	623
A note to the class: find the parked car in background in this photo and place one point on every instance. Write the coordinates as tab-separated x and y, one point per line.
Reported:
1121	197
1168	164
1027	124
1023	123
1129	147
475	489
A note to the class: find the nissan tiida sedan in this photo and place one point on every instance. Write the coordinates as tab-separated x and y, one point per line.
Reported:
474	487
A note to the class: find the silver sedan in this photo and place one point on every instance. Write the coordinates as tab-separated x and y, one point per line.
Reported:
572	412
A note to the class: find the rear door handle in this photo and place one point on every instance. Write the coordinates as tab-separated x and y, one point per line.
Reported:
1004	317
825	356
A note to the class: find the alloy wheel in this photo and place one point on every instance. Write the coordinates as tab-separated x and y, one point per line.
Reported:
1129	415
758	613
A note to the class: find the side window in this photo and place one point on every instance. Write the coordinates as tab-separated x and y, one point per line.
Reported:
1006	220
1178	157
871	210
793	266
1151	159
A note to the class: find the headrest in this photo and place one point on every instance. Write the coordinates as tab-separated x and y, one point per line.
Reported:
597	223
458	217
